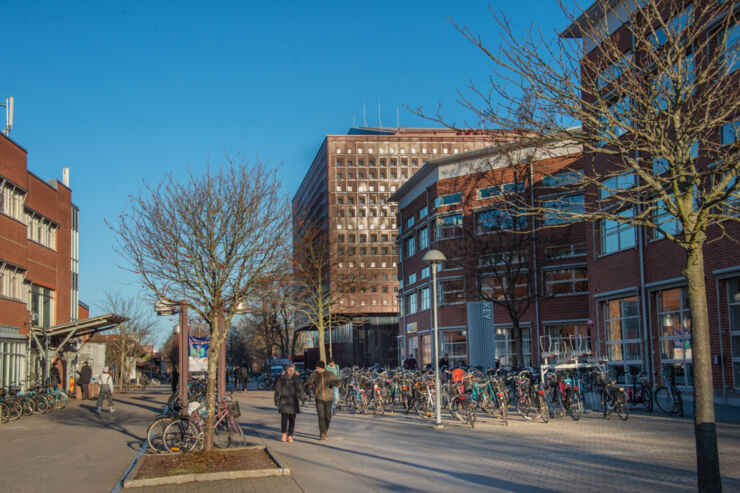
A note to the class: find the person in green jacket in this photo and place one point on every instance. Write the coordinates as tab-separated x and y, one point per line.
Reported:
334	368
323	382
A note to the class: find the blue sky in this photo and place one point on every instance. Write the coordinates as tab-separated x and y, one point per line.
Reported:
124	92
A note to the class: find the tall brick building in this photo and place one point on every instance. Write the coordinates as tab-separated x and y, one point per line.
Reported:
38	260
345	192
458	205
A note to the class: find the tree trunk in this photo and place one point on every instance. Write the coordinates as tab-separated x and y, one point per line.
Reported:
322	348
518	344
212	383
707	456
123	363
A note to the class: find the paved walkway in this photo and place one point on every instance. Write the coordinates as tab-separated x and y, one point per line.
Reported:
74	449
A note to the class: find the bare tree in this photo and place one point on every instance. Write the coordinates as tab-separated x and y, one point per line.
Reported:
128	338
323	279
649	90
207	243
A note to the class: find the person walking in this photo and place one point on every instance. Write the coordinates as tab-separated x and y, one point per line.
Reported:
106	390
288	390
334	368
245	377
85	378
323	382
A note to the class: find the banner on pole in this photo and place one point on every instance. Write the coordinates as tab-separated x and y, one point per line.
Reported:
198	353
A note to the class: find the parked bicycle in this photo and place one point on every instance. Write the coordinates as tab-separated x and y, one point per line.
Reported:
669	398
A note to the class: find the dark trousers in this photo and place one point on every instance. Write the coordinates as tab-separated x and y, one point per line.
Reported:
323	409
105	393
85	390
287	424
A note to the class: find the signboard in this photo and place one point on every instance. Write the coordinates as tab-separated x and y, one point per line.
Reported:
481	344
198	353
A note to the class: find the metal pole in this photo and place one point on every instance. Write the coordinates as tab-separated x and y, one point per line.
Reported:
184	358
331	354
222	358
437	384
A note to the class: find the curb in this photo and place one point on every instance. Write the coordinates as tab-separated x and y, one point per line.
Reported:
281	470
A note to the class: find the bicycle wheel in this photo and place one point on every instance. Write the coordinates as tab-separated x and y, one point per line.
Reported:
222	435
524	405
664	400
502	410
15	410
621	407
469	413
182	436
575	407
647	399
4	413
155	434
379	405
40	405
542	408
604	403
61	400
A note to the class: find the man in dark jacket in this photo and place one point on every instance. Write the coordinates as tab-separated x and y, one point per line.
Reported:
410	363
288	390
245	377
85	378
323	383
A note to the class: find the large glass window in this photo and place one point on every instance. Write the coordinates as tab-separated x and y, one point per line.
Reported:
565	251
425	299
508	188
449	226
500	219
729	132
615	184
42	306
505	353
411	307
455	344
426	350
733	298
449	199
11	282
730	53
564	209
617	235
568	339
563	178
451	291
666	221
498	287
623	345
573	280
423	238
674	322
410	246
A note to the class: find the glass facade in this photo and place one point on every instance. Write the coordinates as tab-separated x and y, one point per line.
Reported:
622	325
504	339
674	322
733	299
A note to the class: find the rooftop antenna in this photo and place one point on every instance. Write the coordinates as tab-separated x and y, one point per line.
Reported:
364	121
380	123
398	118
8	115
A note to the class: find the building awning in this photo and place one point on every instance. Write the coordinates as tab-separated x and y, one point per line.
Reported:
87	326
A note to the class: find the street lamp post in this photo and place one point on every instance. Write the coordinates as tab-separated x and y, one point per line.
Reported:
165	307
434	258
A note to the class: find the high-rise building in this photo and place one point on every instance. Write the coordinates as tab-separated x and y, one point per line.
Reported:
345	193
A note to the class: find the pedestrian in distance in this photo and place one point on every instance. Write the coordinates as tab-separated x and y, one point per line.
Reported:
85	378
334	368
444	361
410	363
174	379
288	392
106	390
245	377
323	382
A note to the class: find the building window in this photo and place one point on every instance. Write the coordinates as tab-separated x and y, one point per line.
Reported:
455	345
675	27
412	279
40	229
410	247
674	322
11	282
729	132
42	306
613	71
622	325
503	258
449	227
423	213
616	184
410	222
424	273
565	251
500	219
506	189
568	340
423	238
449	199
617	236
733	298
425	299
12	199
665	221
499	288
451	291
572	280
411	303
505	352
564	209
563	178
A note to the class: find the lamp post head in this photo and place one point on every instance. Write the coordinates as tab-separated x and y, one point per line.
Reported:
434	257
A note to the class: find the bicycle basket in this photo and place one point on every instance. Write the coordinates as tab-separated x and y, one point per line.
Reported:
233	408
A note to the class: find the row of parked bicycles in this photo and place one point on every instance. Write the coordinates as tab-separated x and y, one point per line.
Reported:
531	394
38	399
174	432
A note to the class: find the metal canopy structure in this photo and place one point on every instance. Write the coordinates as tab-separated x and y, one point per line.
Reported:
79	328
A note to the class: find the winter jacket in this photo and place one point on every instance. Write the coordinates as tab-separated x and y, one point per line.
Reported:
287	393
85	375
336	370
323	383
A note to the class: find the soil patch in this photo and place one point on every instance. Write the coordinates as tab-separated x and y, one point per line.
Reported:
157	466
